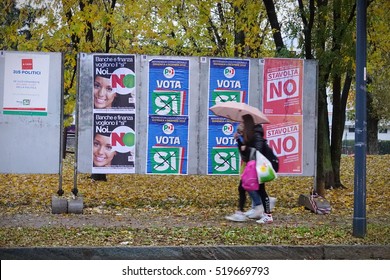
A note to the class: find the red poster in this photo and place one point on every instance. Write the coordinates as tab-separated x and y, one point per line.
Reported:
282	87
284	135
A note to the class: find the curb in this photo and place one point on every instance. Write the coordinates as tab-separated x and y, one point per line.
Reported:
323	252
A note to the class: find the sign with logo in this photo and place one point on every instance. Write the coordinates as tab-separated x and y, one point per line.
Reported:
224	157
168	121
167	144
228	81
168	87
27	88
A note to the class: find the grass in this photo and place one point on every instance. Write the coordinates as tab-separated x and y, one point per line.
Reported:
142	210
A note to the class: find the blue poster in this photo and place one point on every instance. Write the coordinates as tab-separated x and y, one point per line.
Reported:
224	157
229	81
168	87
168	120
167	145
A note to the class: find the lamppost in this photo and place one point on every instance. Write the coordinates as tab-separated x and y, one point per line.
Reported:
359	217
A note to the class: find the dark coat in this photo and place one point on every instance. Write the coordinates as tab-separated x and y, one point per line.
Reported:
257	142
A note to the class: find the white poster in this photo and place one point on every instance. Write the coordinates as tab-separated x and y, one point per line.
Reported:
26	86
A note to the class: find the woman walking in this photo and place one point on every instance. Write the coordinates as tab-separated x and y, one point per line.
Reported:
253	136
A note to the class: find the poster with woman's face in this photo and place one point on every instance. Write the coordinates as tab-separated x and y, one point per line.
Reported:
114	82
113	140
113	144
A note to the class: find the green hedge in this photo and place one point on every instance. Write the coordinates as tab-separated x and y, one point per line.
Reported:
349	145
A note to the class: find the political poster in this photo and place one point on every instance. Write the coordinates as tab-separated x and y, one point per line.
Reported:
282	104
282	86
168	87
228	81
114	137
284	136
114	82
26	91
168	121
224	156
167	145
113	144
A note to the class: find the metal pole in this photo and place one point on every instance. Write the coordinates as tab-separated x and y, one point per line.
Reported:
60	191
359	217
77	115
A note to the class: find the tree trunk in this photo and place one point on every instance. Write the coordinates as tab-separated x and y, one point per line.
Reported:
372	136
343	106
337	126
239	35
273	19
337	130
372	128
89	33
338	123
108	29
325	177
307	27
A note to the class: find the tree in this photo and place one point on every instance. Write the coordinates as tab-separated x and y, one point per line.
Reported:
326	32
70	27
218	28
275	26
15	23
378	99
174	27
8	24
